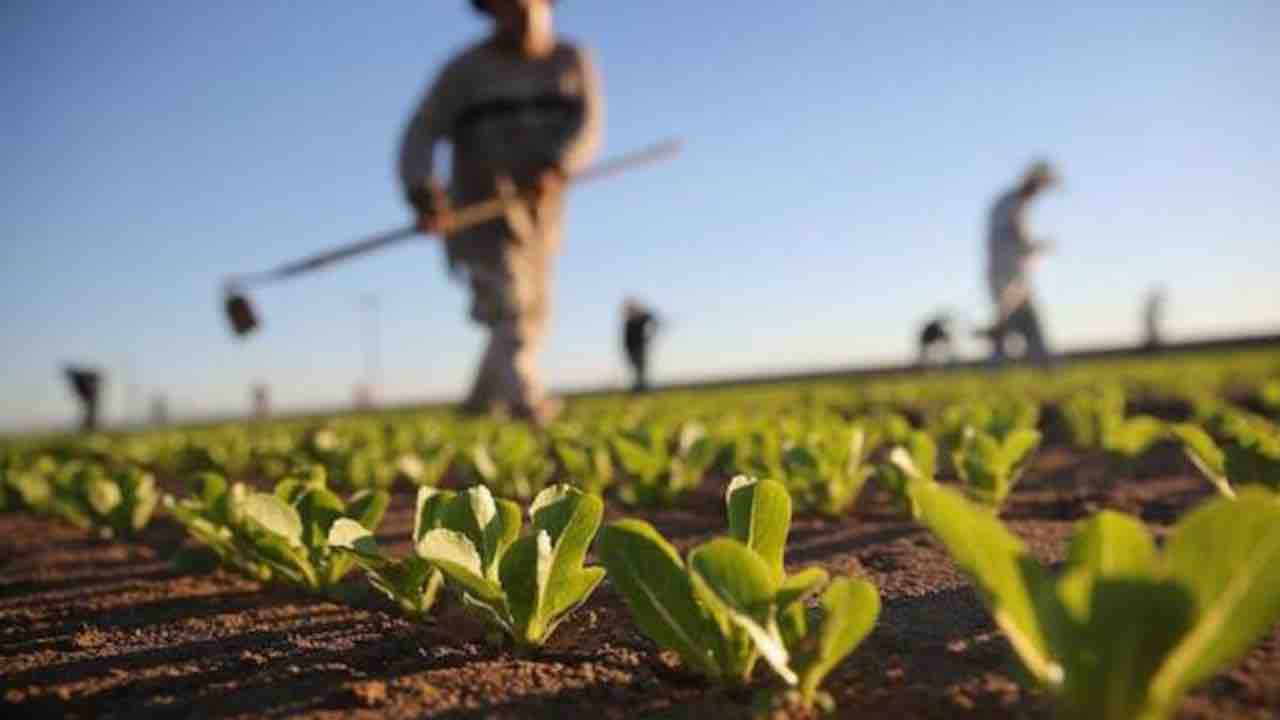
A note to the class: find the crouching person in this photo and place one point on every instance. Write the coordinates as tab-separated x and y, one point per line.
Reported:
522	112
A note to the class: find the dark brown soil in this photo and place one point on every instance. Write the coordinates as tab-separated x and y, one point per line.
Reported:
92	628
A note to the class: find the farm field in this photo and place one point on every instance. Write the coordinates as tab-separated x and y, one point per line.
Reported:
143	623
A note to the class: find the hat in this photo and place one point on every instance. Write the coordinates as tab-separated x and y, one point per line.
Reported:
479	5
1041	173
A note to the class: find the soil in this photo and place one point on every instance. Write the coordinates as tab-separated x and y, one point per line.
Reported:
97	628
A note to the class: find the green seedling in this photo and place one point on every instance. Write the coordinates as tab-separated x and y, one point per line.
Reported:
990	467
522	586
589	465
111	502
827	473
732	602
1096	421
916	458
513	463
1248	455
658	477
1124	630
412	583
281	535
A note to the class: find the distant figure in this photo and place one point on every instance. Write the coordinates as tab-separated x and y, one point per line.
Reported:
362	396
522	110
86	384
1011	254
1153	319
261	398
639	326
159	410
935	341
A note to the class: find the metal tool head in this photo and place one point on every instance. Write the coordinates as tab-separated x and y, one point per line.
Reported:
240	313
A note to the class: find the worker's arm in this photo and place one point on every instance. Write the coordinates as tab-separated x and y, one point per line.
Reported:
584	143
429	124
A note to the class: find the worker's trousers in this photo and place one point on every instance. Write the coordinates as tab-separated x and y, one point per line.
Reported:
1025	323
512	299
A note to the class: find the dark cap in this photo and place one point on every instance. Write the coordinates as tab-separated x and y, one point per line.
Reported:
479	6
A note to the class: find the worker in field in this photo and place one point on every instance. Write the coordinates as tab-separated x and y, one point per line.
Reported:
522	111
1153	319
1012	251
935	341
86	384
639	324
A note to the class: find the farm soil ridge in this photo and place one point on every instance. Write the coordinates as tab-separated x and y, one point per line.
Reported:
94	628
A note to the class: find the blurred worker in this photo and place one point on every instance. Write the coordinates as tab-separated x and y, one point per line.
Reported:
521	109
86	384
639	326
1153	319
935	341
260	396
1012	252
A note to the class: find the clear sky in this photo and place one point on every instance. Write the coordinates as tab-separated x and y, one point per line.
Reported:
840	160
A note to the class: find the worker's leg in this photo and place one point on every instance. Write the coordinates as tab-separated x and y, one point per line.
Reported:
638	366
1026	323
487	288
520	332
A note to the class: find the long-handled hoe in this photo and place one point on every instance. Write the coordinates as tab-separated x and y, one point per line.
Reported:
508	203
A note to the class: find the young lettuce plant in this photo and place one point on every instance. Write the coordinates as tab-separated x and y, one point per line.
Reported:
412	583
522	586
1125	630
658	477
1096	421
512	463
280	535
990	467
915	459
588	464
1248	455
114	503
828	471
732	602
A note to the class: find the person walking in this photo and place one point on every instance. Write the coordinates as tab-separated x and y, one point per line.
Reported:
1011	253
638	328
522	112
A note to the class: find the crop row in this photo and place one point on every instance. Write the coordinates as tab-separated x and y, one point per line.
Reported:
1122	630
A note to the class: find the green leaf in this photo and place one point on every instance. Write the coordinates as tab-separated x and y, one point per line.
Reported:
652	580
274	515
103	494
368	507
1116	640
347	534
318	508
734	580
286	559
429	509
456	556
571	519
849	611
1227	553
524	573
800	586
211	486
1010	582
1205	454
760	518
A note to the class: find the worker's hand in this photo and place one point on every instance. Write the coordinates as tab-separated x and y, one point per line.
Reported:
435	223
550	180
432	204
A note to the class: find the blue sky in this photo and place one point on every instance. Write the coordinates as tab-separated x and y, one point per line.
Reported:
839	163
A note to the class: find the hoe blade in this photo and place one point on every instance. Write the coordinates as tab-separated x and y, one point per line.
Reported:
240	314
